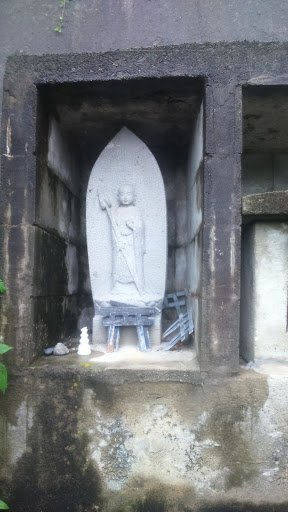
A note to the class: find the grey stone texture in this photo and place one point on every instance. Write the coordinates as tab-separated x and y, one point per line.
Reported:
227	438
264	172
126	162
28	27
72	269
127	242
85	318
265	114
268	203
221	231
194	214
60	157
219	236
58	209
264	292
281	171
60	349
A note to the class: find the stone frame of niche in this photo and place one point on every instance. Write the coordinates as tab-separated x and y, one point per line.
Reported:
225	68
263	333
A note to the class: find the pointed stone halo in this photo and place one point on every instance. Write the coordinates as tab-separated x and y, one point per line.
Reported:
126	164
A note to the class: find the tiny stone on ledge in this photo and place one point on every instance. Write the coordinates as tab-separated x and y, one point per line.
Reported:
60	349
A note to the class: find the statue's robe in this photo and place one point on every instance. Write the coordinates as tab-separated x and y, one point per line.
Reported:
128	247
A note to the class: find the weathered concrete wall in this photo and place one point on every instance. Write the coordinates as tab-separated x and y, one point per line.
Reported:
194	196
60	158
82	438
220	302
57	220
247	310
264	172
227	440
264	292
220	64
27	26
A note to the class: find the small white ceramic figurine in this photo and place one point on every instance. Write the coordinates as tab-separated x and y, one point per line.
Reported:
84	348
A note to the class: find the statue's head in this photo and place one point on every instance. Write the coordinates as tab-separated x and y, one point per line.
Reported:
126	195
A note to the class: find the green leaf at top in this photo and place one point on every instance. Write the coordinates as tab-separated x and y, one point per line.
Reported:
3	506
2	290
3	349
3	380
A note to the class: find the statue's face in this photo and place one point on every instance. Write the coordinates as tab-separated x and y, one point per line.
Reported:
126	195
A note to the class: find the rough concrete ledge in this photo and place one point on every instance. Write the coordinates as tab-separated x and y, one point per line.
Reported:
267	203
115	374
113	377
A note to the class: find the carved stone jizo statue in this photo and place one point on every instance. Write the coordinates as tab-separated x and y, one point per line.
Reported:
128	235
126	226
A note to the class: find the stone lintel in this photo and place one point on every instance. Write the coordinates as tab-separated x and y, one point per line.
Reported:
267	203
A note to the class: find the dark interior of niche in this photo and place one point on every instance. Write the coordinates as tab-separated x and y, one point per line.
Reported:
265	118
161	112
265	141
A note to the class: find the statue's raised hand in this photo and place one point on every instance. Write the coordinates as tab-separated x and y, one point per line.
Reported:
104	201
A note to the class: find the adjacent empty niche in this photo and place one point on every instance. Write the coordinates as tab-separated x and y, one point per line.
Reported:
264	272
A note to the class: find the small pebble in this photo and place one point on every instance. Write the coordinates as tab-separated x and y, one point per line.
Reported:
60	349
48	351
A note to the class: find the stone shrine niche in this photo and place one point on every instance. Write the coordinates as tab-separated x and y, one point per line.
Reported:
126	224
